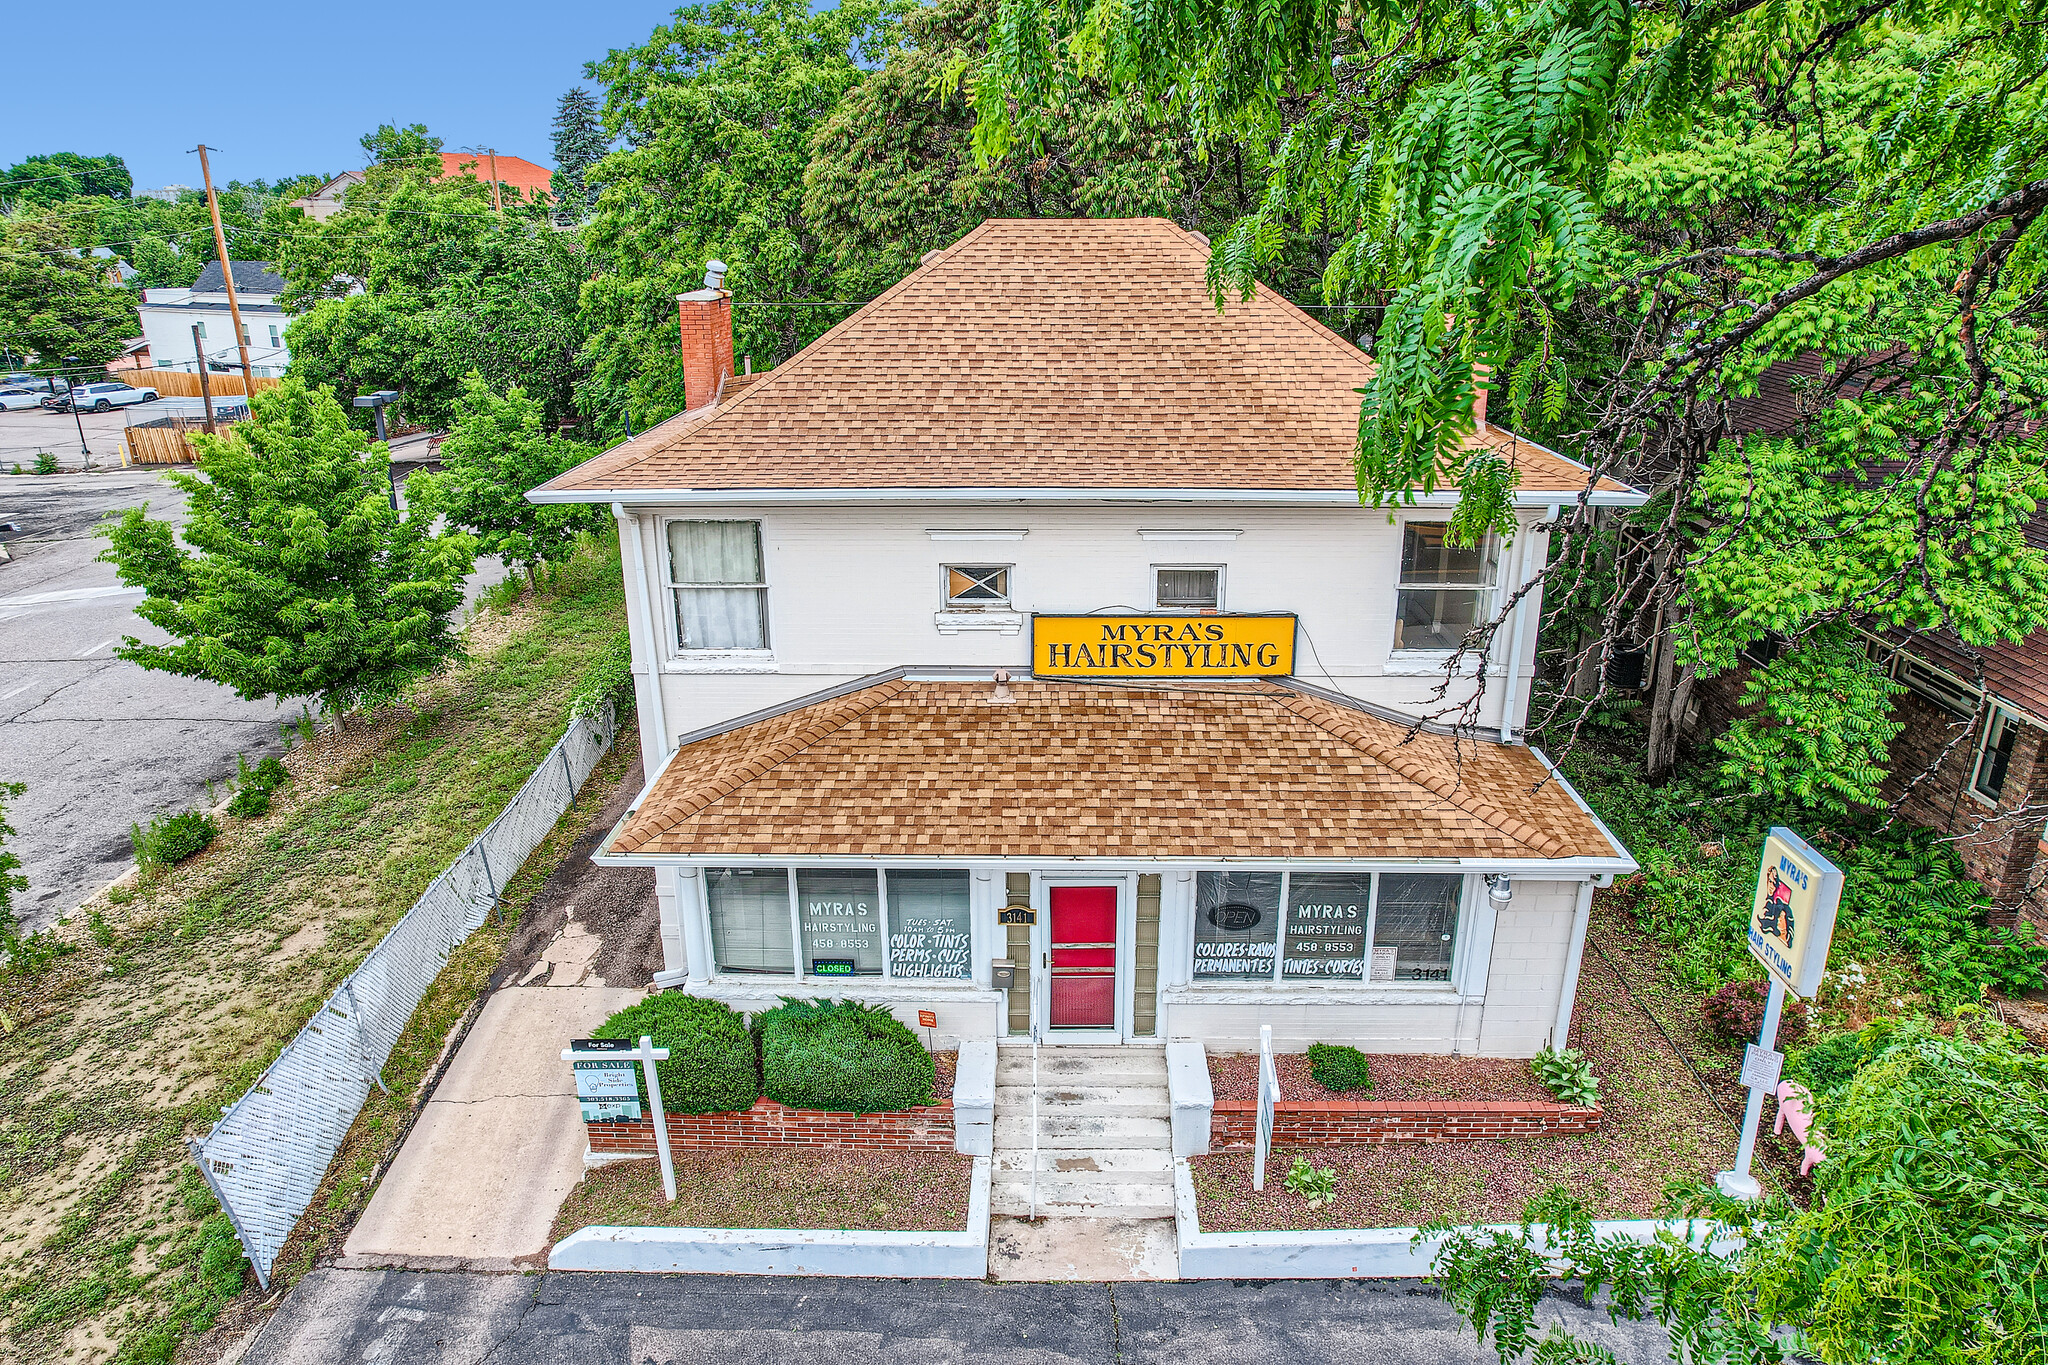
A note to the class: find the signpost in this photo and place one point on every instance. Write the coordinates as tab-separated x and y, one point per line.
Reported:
928	1020
1790	924
608	1062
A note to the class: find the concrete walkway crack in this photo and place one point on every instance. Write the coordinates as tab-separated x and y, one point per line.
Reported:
1116	1326
532	1302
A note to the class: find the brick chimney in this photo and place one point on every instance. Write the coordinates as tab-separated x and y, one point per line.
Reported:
706	318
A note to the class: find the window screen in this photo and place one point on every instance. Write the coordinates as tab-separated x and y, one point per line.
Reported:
1417	918
1237	921
841	916
1445	591
928	925
1327	915
750	920
715	574
1188	589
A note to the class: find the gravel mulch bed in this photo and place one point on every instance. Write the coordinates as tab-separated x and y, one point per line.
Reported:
1235	1076
776	1187
944	1063
1659	1127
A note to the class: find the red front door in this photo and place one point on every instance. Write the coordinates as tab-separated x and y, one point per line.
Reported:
1083	969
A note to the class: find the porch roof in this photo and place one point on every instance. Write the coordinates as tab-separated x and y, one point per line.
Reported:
903	767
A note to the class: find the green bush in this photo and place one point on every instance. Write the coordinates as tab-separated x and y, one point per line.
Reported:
1338	1067
46	463
710	1067
1568	1075
165	841
841	1055
252	794
249	803
1833	1061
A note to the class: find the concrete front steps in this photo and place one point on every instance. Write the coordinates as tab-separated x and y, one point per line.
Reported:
1105	1137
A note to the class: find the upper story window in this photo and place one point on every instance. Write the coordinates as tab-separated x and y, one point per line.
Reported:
273	334
971	586
202	331
1931	685
721	597
1445	591
1994	755
1187	587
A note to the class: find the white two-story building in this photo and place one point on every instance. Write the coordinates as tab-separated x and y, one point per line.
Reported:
186	328
1020	651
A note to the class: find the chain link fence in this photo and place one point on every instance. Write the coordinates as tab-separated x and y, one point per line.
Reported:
270	1150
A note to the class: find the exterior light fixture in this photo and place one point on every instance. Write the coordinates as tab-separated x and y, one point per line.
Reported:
1500	888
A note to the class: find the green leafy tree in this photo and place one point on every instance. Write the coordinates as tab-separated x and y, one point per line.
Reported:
496	451
294	578
716	110
43	181
410	147
417	282
1625	216
1927	1245
580	143
11	879
54	303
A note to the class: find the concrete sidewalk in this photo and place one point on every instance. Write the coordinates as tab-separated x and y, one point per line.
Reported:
479	1180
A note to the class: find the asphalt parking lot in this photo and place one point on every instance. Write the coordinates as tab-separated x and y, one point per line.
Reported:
31	432
554	1319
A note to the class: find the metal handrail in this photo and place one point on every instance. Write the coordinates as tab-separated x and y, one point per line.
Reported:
1034	1128
1269	1095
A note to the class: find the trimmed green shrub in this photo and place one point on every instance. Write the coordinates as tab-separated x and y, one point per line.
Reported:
841	1055
1833	1061
710	1067
1338	1067
165	841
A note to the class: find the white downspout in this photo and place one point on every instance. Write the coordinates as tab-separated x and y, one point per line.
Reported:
1513	671
629	529
1569	988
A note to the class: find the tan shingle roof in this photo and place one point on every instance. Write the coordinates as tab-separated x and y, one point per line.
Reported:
1044	353
935	769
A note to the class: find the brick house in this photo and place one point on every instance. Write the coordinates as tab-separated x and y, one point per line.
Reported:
1969	761
1020	651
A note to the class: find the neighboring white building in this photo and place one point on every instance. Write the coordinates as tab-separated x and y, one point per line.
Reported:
1028	625
168	316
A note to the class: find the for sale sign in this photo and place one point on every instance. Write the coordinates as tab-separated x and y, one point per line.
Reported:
1793	918
608	1090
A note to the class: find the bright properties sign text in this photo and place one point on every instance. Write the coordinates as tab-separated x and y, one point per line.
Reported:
1162	646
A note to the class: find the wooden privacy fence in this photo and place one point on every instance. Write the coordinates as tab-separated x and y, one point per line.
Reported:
160	445
178	384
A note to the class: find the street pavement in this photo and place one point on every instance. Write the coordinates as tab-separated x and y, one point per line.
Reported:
101	744
584	1319
27	433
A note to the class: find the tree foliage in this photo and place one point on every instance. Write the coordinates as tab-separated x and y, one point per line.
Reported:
11	879
43	181
54	303
580	143
1625	217
417	282
1928	1244
495	452
294	578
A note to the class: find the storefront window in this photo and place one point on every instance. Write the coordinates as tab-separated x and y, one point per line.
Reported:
1415	923
750	920
1237	920
1339	926
840	913
1328	917
929	930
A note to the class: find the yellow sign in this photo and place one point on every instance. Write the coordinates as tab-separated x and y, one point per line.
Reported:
1161	646
1793	917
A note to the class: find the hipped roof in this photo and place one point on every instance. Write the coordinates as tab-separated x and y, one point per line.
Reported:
1220	770
1079	354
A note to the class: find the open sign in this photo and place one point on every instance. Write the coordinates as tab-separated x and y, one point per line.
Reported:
1235	917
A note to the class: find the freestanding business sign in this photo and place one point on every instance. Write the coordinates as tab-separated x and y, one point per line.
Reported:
1791	922
1793	917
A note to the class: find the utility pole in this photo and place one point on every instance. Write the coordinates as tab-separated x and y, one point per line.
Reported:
205	389
497	200
227	273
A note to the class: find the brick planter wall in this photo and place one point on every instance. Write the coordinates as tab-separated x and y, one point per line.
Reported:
1361	1123
928	1128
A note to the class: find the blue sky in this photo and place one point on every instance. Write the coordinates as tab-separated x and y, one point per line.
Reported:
288	89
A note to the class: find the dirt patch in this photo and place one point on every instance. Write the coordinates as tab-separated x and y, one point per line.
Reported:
616	904
767	1187
1395	1076
1660	1126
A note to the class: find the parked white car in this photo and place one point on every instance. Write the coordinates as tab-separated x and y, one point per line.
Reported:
11	399
101	397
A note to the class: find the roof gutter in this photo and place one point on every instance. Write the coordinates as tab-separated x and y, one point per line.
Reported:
1598	870
1327	497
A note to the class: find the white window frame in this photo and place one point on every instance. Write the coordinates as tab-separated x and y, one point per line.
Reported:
951	604
684	660
1221	586
202	329
2000	719
1488	592
884	915
1461	935
274	342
